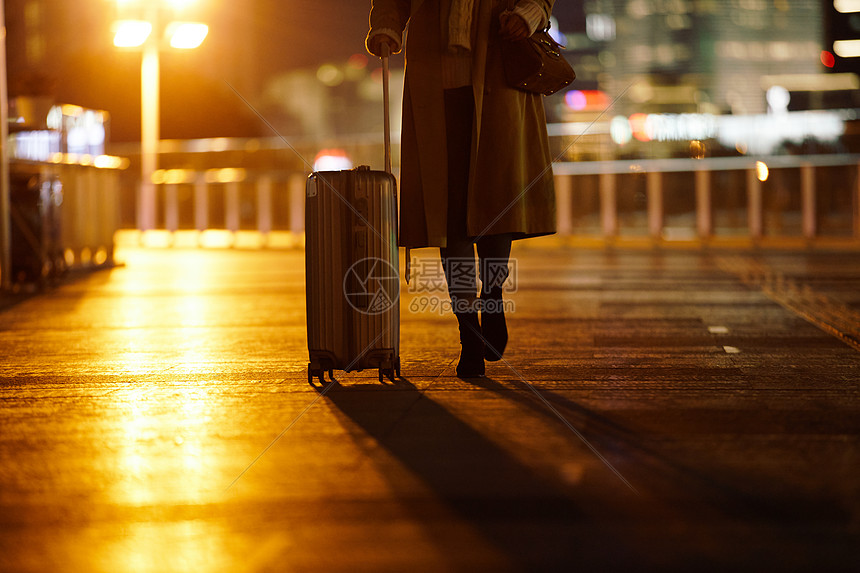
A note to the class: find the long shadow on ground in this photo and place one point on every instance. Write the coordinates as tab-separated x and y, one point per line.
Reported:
526	517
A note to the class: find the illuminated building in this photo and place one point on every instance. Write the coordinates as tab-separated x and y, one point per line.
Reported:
702	55
843	27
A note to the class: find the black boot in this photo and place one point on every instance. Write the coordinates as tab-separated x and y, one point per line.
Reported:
471	364
494	326
494	252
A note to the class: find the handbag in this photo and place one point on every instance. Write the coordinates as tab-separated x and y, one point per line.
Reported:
536	64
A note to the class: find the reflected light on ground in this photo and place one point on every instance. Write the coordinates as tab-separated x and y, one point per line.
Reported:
161	439
194	312
160	458
140	347
132	487
135	357
194	350
194	545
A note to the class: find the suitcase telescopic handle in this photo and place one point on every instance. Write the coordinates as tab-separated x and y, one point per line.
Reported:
386	103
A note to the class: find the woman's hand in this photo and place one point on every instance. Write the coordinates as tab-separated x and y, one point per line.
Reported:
376	42
513	27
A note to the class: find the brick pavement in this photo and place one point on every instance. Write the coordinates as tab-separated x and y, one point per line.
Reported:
655	411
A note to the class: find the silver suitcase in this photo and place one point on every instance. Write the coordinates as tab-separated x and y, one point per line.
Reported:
352	273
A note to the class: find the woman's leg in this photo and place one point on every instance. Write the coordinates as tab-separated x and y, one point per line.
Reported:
458	258
494	252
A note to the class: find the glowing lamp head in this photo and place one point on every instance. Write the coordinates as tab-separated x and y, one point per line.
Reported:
131	33
187	35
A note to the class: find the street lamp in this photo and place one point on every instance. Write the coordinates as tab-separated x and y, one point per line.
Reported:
138	33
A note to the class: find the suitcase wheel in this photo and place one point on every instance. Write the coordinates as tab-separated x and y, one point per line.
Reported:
388	373
319	373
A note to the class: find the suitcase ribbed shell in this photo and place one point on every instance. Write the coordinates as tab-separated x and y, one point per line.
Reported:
352	272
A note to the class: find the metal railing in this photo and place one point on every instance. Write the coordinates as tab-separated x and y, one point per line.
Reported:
798	201
732	200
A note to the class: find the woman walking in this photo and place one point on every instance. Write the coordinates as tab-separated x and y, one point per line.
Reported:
475	167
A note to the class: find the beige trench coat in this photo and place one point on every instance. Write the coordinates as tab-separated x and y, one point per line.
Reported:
511	184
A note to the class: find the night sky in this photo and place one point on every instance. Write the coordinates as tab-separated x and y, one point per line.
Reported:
249	43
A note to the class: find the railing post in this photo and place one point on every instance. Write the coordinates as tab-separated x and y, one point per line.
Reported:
608	205
296	189
264	205
564	203
171	207
807	194
232	206
704	208
754	204
201	203
654	191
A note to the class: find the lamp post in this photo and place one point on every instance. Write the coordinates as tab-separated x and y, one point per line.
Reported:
138	33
